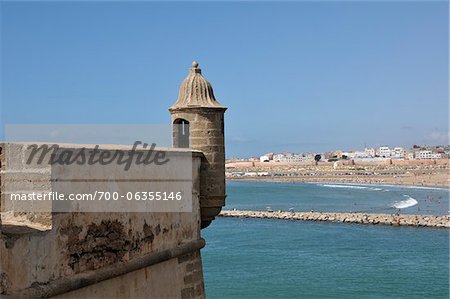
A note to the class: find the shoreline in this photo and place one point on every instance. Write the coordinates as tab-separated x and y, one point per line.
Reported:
355	218
346	181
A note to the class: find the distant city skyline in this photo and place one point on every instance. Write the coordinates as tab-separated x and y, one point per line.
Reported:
296	76
373	151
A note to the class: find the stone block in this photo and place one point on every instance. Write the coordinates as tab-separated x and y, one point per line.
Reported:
13	156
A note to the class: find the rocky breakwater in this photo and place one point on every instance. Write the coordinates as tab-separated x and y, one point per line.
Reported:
362	218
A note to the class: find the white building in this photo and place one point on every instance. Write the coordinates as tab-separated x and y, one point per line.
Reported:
384	151
398	153
436	156
360	155
427	155
264	158
370	152
308	158
290	158
278	157
409	155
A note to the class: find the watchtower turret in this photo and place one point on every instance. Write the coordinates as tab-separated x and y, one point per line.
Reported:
198	123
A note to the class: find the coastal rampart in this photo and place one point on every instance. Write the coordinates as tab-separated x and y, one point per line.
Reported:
104	253
362	218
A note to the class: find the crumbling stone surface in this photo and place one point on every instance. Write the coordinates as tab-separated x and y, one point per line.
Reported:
4	283
103	244
149	236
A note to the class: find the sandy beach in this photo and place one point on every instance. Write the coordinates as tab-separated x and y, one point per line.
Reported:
432	175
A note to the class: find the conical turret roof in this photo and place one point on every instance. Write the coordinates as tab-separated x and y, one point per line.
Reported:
196	92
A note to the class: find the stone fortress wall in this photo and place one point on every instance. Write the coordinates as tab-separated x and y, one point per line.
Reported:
56	254
108	255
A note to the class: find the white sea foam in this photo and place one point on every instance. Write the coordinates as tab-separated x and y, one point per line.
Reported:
350	187
424	188
412	187
343	186
409	202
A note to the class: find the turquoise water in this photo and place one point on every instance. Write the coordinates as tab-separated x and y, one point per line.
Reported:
336	198
258	258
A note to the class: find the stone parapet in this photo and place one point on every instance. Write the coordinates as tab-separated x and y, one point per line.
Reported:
85	254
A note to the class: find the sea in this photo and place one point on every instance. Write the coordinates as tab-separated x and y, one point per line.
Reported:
267	258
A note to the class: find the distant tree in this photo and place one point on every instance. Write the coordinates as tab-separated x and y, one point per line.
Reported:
344	157
317	157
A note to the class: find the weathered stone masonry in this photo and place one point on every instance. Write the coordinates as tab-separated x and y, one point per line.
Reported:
116	255
361	218
197	106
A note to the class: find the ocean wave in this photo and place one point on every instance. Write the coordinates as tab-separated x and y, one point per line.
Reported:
422	187
410	202
350	187
412	187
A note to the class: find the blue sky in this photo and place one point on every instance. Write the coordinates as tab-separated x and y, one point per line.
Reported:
296	76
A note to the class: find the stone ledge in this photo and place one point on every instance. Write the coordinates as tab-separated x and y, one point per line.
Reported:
25	223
